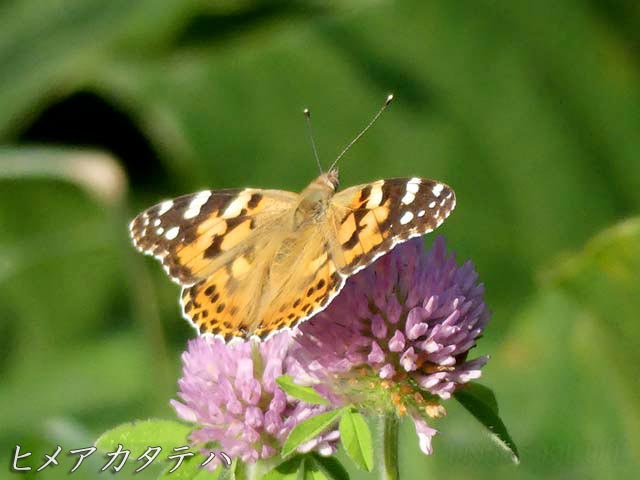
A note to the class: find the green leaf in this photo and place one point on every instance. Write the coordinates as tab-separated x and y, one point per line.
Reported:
331	467
190	470
138	436
356	439
312	464
239	469
306	394
483	393
309	429
312	470
287	470
481	403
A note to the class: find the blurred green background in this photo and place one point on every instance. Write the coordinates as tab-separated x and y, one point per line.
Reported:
530	110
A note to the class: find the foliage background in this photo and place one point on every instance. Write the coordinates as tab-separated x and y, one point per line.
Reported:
530	110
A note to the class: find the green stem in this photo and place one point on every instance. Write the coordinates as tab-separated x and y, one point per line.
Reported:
229	473
254	471
249	472
389	458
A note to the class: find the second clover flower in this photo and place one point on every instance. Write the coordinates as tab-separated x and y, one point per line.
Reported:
398	335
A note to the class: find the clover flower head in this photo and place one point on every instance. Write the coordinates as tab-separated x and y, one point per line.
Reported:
398	335
229	391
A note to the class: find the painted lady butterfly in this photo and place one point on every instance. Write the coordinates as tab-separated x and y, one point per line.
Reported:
252	262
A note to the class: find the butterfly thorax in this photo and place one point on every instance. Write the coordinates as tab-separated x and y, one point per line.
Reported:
314	200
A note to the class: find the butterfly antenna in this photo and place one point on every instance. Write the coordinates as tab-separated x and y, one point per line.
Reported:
364	130
307	115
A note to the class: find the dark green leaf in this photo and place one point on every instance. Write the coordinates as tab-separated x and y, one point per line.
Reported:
481	403
312	470
309	429
331	467
356	439
287	470
306	394
485	394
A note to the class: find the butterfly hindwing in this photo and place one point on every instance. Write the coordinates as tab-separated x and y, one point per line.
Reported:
308	285
278	280
371	219
223	303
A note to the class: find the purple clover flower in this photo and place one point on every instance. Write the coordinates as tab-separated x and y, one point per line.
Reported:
230	392
398	335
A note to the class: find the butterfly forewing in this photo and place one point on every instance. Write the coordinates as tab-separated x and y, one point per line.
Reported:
195	234
371	219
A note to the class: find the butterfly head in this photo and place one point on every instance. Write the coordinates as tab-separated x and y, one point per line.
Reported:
331	178
325	185
314	199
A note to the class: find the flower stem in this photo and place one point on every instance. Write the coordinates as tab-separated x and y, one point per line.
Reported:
389	458
248	472
254	471
229	473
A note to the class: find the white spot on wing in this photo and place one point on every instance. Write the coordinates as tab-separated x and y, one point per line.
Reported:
375	197
172	233
156	222
421	213
406	218
408	197
413	187
432	205
196	204
160	231
165	207
236	206
437	189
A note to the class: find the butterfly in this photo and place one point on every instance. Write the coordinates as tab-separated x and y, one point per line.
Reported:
252	262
